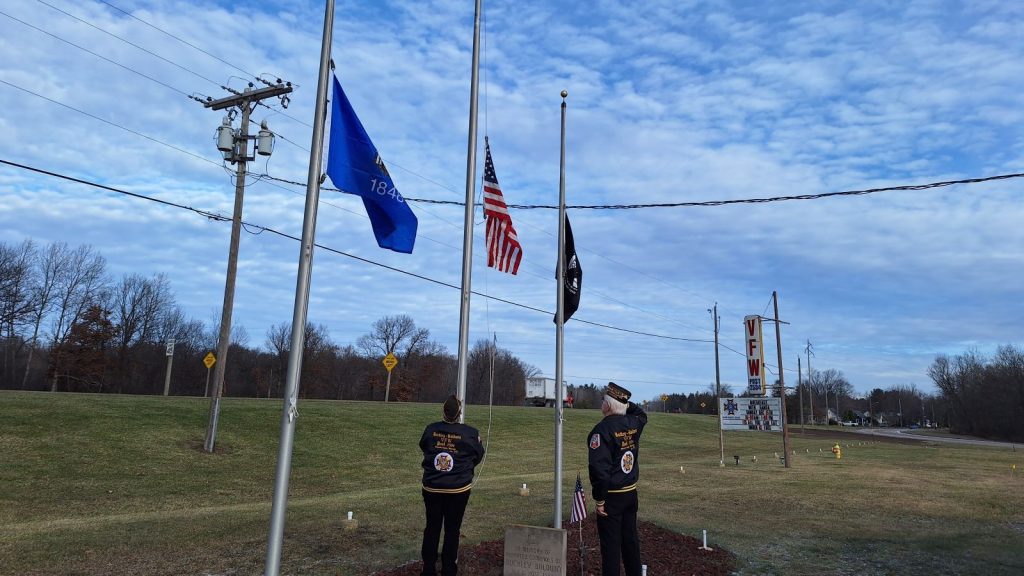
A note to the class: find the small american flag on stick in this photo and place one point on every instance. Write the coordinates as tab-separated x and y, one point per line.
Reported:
503	250
579	503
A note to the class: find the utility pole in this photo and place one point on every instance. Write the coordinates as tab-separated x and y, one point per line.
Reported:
827	421
800	389
718	391
782	382
235	147
839	419
810	380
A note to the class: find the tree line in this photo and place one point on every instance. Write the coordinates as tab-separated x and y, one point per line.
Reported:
67	325
985	395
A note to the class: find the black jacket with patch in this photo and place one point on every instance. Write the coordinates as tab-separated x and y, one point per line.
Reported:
450	453
614	450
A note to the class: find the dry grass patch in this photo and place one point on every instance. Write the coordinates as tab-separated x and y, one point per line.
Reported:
117	485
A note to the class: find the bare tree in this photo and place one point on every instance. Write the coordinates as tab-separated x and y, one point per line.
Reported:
173	324
830	384
52	266
984	397
239	335
137	305
82	285
16	303
491	367
15	284
318	353
390	333
396	335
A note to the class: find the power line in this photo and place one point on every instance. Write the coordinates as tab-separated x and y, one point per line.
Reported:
100	56
114	124
129	42
709	203
211	215
154	54
261	228
605	296
268	177
185	42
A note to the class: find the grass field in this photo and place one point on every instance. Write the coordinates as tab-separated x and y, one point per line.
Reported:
94	484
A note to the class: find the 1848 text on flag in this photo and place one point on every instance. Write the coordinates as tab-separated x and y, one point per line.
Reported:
355	167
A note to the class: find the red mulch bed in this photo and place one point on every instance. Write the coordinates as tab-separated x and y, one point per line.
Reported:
664	553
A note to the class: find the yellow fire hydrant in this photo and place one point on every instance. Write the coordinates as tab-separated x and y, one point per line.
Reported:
837	451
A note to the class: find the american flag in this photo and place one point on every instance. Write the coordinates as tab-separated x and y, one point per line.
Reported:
503	250
579	503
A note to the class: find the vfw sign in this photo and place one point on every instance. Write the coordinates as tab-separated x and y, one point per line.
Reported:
755	355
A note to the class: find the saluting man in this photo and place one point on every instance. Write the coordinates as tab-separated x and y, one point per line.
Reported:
451	451
614	471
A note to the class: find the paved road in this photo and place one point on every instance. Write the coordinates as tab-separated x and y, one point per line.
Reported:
911	435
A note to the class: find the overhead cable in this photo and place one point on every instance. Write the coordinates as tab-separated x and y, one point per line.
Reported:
250	225
708	203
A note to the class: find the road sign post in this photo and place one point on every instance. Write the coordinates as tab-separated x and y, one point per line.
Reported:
209	361
170	360
389	362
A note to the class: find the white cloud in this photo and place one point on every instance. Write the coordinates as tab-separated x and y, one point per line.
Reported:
674	102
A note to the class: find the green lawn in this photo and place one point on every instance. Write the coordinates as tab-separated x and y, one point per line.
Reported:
100	484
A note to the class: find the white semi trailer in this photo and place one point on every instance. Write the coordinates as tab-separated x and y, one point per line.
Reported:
541	391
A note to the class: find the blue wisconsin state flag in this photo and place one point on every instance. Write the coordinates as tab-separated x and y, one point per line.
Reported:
355	167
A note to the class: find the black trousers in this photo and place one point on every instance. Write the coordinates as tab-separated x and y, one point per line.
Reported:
443	511
619	540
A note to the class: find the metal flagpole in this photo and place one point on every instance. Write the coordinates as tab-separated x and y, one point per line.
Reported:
559	325
582	570
467	226
291	395
718	393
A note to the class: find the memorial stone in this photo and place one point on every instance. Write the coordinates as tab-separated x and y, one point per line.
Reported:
534	551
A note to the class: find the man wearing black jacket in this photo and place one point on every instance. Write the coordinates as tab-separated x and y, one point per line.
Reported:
614	471
450	453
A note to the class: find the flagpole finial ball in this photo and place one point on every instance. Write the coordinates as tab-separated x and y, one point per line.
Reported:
565	93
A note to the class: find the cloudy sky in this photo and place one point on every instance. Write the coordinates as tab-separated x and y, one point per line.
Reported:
670	101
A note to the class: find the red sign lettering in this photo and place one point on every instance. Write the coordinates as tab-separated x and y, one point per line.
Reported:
754	367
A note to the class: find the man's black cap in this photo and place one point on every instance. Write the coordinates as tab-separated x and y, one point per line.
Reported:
617	392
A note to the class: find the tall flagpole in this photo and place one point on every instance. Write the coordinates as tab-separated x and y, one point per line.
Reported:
467	226
291	395
559	325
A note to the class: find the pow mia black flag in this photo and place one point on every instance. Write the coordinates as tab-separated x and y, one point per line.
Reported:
573	276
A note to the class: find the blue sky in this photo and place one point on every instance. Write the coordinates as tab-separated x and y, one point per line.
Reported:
675	102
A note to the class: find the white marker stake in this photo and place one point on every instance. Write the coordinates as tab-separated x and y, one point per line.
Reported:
705	546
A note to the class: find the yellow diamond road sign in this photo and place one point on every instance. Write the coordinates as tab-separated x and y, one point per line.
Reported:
210	360
390	361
